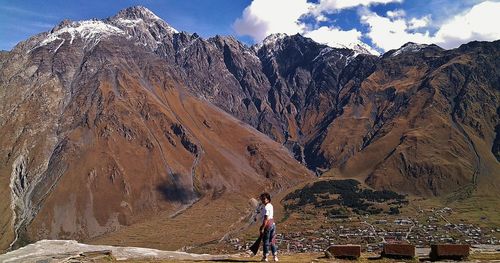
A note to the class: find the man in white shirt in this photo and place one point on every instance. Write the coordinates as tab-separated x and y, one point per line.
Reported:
268	227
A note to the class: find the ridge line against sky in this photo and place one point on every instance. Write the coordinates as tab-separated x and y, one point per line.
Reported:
381	24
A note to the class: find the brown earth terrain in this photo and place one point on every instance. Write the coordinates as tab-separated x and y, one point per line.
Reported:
142	135
88	152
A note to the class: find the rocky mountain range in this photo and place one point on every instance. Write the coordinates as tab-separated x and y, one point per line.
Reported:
104	123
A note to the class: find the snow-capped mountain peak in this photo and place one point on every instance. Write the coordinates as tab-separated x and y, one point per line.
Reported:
409	47
273	39
137	12
270	41
87	30
357	47
137	23
362	48
139	15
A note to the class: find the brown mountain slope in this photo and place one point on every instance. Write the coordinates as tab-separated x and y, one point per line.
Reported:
99	136
336	109
111	123
422	123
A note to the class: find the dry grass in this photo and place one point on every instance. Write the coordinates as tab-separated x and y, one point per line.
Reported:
319	257
485	256
292	258
203	223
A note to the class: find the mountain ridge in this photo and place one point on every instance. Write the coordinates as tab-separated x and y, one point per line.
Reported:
123	141
267	98
138	118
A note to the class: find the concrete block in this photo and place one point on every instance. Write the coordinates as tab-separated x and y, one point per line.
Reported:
399	250
449	251
345	251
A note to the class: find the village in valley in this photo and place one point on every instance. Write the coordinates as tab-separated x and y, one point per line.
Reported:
371	232
340	212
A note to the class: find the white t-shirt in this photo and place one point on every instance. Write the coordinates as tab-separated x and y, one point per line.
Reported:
267	210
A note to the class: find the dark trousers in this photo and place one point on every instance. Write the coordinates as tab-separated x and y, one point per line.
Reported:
269	239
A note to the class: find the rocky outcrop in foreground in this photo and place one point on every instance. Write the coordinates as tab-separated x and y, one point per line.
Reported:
72	251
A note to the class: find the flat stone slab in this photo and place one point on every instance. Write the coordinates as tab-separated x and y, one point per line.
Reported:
66	250
345	251
449	251
97	252
399	250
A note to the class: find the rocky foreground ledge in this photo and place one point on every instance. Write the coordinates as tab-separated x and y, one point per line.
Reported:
70	250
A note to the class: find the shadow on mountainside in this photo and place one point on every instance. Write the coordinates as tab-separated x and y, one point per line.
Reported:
175	190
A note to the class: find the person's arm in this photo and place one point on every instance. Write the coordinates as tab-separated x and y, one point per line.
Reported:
263	226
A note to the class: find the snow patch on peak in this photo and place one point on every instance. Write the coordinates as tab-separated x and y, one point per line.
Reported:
270	41
340	55
88	30
409	47
148	13
362	48
134	22
135	12
131	23
358	48
273	38
139	16
323	52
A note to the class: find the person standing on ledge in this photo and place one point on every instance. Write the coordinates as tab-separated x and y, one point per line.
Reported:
268	227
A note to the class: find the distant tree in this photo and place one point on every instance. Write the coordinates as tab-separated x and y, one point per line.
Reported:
350	194
393	211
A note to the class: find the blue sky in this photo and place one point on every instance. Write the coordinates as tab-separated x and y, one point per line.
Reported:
381	24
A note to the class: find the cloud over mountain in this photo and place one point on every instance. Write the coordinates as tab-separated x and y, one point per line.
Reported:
263	17
381	30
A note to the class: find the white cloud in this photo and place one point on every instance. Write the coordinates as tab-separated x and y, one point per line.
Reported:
396	13
387	33
321	18
334	5
261	19
391	32
332	36
422	22
264	17
338	38
479	23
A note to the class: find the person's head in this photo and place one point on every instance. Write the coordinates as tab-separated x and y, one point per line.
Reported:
265	198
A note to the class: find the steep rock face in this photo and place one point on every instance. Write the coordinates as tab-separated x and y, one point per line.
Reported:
306	78
424	122
369	117
98	133
326	105
104	123
284	87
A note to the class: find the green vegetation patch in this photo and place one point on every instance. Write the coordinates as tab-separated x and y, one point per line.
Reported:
341	197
